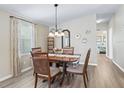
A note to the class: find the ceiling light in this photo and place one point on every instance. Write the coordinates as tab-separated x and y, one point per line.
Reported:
55	31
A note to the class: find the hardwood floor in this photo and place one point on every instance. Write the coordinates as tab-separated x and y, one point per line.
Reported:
104	75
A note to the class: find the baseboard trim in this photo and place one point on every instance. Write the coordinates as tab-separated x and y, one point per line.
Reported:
6	77
91	64
118	65
26	69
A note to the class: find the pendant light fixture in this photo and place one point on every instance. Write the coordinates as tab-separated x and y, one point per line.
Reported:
55	32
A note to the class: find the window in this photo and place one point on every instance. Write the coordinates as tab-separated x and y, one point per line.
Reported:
26	37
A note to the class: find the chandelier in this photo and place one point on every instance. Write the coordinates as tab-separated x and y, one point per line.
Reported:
56	32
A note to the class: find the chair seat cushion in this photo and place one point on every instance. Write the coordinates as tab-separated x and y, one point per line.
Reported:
75	69
53	72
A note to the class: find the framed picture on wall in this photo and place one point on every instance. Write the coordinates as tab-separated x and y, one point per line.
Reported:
98	38
77	36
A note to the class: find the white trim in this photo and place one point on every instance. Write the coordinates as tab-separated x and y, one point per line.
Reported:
108	57
90	64
6	77
118	66
26	69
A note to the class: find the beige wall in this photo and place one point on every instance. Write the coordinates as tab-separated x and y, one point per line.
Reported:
79	26
41	36
5	64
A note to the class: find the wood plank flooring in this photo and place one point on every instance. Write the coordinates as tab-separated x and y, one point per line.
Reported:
104	75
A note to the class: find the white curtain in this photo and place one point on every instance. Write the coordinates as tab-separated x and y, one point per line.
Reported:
14	45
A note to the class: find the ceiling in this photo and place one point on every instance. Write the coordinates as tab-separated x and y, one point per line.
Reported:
45	13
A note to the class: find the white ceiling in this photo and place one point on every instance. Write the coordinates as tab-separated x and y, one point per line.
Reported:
44	13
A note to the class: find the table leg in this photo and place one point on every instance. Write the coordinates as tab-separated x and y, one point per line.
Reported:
64	72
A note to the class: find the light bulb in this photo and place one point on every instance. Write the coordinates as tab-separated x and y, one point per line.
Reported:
62	34
51	34
56	34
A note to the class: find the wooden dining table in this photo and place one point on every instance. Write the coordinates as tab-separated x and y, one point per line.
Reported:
65	59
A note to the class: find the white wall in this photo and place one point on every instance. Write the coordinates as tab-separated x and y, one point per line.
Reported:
103	26
118	37
79	26
5	64
41	36
110	38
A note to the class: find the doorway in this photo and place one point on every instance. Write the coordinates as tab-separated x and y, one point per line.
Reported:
101	37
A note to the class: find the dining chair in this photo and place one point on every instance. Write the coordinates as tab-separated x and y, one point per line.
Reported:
34	54
36	49
68	50
43	70
78	69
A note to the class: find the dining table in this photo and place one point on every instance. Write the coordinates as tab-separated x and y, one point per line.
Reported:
65	59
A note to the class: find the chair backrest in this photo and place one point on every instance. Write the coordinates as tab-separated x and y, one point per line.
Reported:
68	50
36	49
86	61
41	64
35	54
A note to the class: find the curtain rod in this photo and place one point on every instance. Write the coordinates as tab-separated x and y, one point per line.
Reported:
22	19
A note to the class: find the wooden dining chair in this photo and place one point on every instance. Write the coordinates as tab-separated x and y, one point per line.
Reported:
43	70
68	50
36	49
35	54
65	50
78	69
